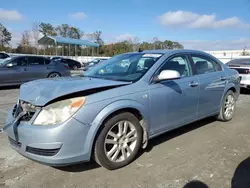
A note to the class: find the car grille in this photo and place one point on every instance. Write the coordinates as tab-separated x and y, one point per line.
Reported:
242	71
15	143
24	106
43	152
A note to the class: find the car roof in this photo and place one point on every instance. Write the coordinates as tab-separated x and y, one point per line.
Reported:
173	52
28	56
166	51
242	61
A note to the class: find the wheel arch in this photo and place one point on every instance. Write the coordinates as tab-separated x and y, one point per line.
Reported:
231	87
54	72
115	108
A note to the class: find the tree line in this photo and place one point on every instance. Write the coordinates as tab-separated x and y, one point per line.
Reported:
28	43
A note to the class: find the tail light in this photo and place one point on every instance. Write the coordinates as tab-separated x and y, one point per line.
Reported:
66	66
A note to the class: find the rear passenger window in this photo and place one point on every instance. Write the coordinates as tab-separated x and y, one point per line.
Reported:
204	65
36	61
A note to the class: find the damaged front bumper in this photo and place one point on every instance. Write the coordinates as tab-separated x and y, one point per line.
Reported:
57	145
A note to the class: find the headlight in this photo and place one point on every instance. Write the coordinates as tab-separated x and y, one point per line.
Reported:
59	112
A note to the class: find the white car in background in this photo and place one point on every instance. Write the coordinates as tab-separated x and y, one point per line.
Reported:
243	67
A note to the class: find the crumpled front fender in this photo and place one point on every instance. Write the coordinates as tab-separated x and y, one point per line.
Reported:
113	107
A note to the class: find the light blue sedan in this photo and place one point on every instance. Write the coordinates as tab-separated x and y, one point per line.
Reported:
113	110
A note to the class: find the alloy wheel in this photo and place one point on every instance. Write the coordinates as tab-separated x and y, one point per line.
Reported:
229	106
54	75
120	141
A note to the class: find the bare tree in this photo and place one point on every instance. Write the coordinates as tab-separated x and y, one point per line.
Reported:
25	42
90	36
135	41
155	39
36	33
244	52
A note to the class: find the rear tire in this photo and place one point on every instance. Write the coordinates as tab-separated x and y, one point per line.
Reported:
118	142
54	75
228	107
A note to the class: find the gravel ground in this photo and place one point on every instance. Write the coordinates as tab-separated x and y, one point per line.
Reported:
204	154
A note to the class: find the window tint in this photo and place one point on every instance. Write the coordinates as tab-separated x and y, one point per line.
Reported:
47	61
72	61
142	64
204	65
2	56
64	60
180	64
36	61
21	61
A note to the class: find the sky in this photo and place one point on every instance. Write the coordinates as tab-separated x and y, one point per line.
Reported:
197	24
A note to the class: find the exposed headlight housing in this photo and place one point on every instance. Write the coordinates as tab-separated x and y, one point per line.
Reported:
59	112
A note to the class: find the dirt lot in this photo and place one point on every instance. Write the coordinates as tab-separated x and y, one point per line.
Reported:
212	152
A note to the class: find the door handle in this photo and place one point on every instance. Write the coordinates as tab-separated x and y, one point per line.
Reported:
193	84
223	78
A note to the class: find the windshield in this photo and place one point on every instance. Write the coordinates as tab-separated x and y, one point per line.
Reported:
124	67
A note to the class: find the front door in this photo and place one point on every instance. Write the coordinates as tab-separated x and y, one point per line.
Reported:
174	102
16	73
212	81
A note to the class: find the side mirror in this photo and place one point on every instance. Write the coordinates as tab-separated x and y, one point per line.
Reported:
9	65
167	75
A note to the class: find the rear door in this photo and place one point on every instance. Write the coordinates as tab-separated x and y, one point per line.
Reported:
212	81
37	68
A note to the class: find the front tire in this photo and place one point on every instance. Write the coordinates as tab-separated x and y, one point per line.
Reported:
228	107
118	142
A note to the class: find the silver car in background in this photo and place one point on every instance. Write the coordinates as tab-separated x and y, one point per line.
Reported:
20	69
243	68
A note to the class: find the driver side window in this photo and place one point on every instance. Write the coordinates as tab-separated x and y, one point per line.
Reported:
22	61
179	64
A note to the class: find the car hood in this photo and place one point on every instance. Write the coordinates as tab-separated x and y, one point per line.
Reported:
40	92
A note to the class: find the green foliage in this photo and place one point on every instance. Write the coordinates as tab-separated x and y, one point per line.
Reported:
65	30
128	46
47	29
5	37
